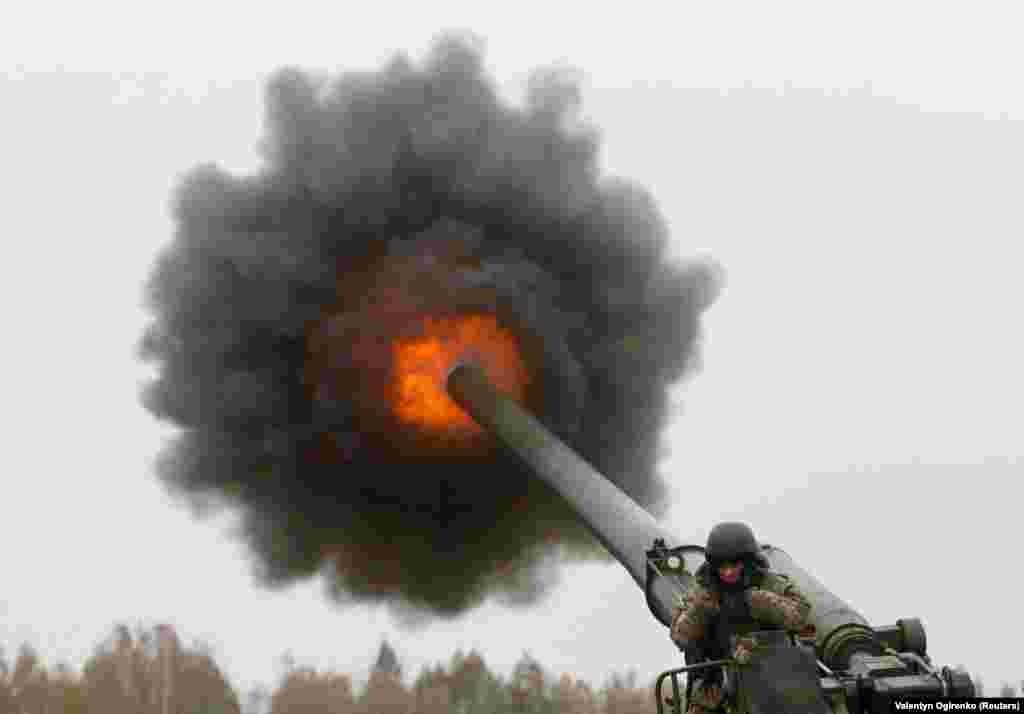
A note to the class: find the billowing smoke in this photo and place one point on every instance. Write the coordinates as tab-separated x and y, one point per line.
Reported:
386	198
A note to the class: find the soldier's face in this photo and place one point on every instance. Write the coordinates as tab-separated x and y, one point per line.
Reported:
729	573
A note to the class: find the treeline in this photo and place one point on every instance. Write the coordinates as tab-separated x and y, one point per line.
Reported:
141	672
152	672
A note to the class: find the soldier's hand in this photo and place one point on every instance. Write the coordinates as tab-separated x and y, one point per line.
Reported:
744	650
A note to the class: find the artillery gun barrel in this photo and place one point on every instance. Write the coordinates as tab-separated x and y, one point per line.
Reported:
618	522
625	529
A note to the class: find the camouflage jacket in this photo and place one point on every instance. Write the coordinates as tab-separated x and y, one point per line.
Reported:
773	601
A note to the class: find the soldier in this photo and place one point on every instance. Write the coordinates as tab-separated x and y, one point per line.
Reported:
734	595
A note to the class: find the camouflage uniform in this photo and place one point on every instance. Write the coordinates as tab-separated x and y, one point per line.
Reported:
771	601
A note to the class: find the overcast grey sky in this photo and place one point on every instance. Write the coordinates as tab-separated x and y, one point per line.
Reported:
860	401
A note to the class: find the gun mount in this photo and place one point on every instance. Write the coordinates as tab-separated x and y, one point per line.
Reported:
858	668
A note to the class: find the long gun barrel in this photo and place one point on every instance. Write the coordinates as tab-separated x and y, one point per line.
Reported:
628	531
618	522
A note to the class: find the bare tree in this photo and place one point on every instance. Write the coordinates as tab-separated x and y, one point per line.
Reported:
148	672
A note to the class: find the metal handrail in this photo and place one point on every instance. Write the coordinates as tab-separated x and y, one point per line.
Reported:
675	702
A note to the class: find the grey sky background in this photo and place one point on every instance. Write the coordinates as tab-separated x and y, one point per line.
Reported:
860	400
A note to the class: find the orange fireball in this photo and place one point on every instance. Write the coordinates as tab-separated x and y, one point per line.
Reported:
421	364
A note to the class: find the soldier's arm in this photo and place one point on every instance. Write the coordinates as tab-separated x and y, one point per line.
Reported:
692	615
779	602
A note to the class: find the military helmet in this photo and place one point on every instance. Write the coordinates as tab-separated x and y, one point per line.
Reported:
731	541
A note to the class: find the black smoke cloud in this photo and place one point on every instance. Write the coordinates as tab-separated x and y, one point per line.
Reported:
403	164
